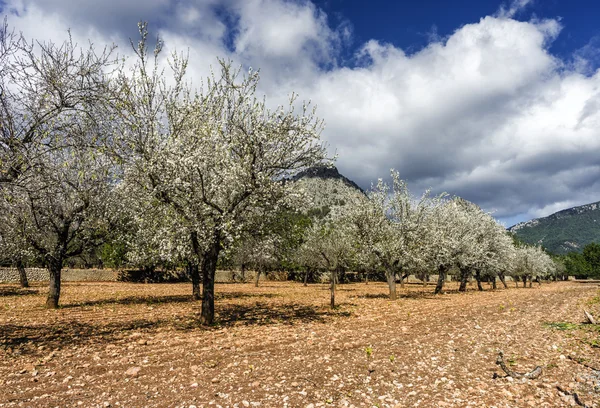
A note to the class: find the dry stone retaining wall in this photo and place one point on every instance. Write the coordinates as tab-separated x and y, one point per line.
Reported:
41	275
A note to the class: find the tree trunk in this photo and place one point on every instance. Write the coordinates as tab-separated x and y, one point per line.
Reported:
494	283
209	268
524	281
464	278
530	281
54	269
306	276
403	277
257	278
193	267
478	279
22	274
333	278
441	278
194	272
391	278
243	272
341	276
503	280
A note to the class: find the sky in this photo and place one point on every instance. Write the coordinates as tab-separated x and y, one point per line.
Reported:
497	102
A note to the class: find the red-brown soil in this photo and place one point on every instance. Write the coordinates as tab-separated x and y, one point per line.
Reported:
135	345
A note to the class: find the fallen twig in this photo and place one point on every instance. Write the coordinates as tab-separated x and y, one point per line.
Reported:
574	395
308	380
589	317
533	374
578	361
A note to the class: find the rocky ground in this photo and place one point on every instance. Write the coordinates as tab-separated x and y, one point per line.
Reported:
279	345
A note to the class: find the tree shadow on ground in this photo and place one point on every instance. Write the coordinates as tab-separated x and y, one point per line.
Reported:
16	291
68	333
245	295
373	296
132	300
157	300
57	335
400	295
265	314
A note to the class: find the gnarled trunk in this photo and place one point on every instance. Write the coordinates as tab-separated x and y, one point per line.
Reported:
194	273
306	276
494	282
478	279
391	280
503	280
22	274
257	278
441	279
464	279
54	269
209	268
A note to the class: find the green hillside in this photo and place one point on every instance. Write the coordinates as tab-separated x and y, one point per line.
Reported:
565	231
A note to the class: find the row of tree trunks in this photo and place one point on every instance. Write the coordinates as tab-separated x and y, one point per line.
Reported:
464	279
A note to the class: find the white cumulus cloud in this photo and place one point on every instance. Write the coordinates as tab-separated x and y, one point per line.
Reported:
487	113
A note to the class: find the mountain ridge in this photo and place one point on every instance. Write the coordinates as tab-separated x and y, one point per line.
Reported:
330	193
326	172
564	231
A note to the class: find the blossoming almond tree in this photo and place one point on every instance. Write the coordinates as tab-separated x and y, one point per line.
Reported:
389	226
61	207
532	263
448	237
53	107
488	252
214	156
329	245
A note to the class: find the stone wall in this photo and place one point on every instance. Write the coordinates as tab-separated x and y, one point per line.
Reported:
11	275
41	275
